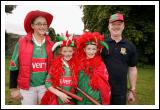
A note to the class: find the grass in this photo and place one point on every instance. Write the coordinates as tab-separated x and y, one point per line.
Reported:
145	86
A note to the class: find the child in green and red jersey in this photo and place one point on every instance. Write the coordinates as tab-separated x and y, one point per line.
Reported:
93	76
63	73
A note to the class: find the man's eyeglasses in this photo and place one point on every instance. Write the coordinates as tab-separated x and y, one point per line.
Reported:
40	24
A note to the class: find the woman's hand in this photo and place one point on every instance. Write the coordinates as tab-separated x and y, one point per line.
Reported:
15	94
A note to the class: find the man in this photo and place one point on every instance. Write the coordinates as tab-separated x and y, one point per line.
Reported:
120	60
31	59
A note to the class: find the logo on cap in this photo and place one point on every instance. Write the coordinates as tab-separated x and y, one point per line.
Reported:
116	17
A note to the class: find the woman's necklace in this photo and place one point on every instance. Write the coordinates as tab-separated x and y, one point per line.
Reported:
41	48
40	43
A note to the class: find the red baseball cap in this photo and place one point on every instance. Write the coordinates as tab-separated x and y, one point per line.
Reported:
116	17
34	14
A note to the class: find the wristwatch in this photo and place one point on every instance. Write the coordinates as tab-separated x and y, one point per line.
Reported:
133	91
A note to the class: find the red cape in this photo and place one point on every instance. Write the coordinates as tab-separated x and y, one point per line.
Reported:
55	72
98	77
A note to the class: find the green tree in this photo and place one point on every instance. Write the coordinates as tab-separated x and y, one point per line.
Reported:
139	25
8	9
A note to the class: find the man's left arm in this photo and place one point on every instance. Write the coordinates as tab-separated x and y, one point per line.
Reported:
132	74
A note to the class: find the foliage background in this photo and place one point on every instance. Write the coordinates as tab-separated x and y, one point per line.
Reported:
139	25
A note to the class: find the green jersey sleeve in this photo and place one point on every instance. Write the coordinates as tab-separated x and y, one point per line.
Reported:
14	65
48	81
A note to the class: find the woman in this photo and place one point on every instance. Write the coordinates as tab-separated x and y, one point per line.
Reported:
93	77
31	59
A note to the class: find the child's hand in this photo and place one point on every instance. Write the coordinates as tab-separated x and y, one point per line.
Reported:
15	94
65	98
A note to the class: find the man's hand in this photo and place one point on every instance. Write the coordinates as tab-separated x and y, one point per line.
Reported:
131	96
132	75
15	94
